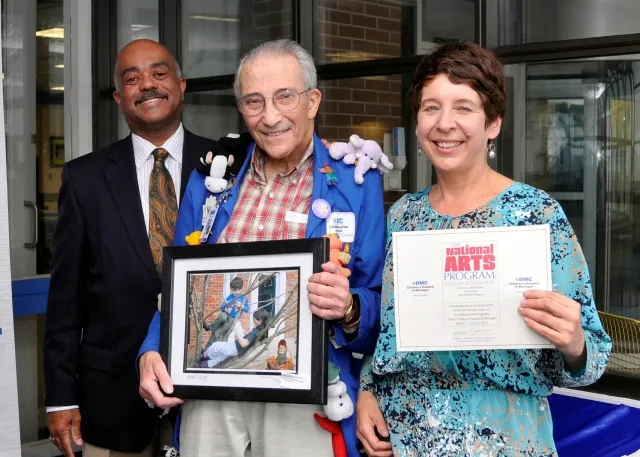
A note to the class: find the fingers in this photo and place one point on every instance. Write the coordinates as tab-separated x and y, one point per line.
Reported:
329	284
378	420
160	370
153	374
559	299
330	267
76	435
369	419
551	310
556	318
152	392
553	303
328	307
543	330
328	293
544	318
379	448
152	368
65	445
331	276
372	445
569	341
60	427
546	306
323	311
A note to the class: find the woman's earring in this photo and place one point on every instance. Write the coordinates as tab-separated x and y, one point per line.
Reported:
491	149
419	150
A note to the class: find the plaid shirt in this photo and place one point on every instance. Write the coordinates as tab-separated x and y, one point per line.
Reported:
260	212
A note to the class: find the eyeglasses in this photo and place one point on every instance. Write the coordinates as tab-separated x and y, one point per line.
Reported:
283	100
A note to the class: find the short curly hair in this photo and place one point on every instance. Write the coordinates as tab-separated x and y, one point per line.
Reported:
464	63
236	283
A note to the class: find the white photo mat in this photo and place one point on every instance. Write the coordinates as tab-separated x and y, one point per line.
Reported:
251	379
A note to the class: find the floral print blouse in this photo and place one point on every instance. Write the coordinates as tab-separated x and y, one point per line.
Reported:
484	402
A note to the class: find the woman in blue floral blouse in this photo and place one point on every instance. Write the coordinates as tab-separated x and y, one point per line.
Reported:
487	402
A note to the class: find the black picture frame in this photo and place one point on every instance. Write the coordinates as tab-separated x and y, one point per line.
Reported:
274	276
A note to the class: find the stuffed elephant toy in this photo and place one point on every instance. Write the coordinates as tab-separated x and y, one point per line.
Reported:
365	154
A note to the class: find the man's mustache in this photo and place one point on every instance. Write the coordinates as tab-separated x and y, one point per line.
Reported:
150	95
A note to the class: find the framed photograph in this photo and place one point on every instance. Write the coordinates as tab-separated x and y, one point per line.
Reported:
236	322
56	151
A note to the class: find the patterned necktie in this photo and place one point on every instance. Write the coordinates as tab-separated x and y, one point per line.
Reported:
163	207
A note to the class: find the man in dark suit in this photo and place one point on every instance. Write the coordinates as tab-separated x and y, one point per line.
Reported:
117	210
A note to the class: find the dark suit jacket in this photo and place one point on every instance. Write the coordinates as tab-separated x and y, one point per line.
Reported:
104	291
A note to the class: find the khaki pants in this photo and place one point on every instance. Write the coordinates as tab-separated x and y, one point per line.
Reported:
225	429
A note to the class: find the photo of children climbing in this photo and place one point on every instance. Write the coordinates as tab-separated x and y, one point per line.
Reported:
243	321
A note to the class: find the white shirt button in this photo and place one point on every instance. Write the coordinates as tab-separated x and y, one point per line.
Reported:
294	181
260	227
271	195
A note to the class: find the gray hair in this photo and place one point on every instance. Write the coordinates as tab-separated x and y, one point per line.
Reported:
116	76
282	47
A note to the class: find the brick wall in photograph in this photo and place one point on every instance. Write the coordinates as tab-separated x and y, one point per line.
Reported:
213	300
291	318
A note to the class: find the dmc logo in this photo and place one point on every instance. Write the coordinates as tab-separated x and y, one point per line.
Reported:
338	220
420	283
525	278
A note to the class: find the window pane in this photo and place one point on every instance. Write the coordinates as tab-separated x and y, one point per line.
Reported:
556	158
352	30
531	21
137	19
370	107
446	20
216	34
581	123
212	114
33	51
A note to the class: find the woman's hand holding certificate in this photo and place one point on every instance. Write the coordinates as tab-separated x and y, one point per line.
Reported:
556	318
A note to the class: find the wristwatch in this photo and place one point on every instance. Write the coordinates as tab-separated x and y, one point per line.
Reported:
351	319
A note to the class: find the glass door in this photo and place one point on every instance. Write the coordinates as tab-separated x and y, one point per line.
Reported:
562	141
33	49
19	84
574	133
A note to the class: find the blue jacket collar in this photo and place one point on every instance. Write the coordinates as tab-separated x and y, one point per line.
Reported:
320	186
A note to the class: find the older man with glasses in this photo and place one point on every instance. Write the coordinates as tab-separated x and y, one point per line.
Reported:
276	92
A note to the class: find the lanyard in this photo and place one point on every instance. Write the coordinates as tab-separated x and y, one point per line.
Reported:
213	212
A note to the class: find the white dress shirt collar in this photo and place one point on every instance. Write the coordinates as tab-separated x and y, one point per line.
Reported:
143	148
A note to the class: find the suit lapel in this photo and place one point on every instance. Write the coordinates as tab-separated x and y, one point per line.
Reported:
123	183
191	154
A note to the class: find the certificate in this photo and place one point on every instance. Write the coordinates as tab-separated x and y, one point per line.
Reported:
460	289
